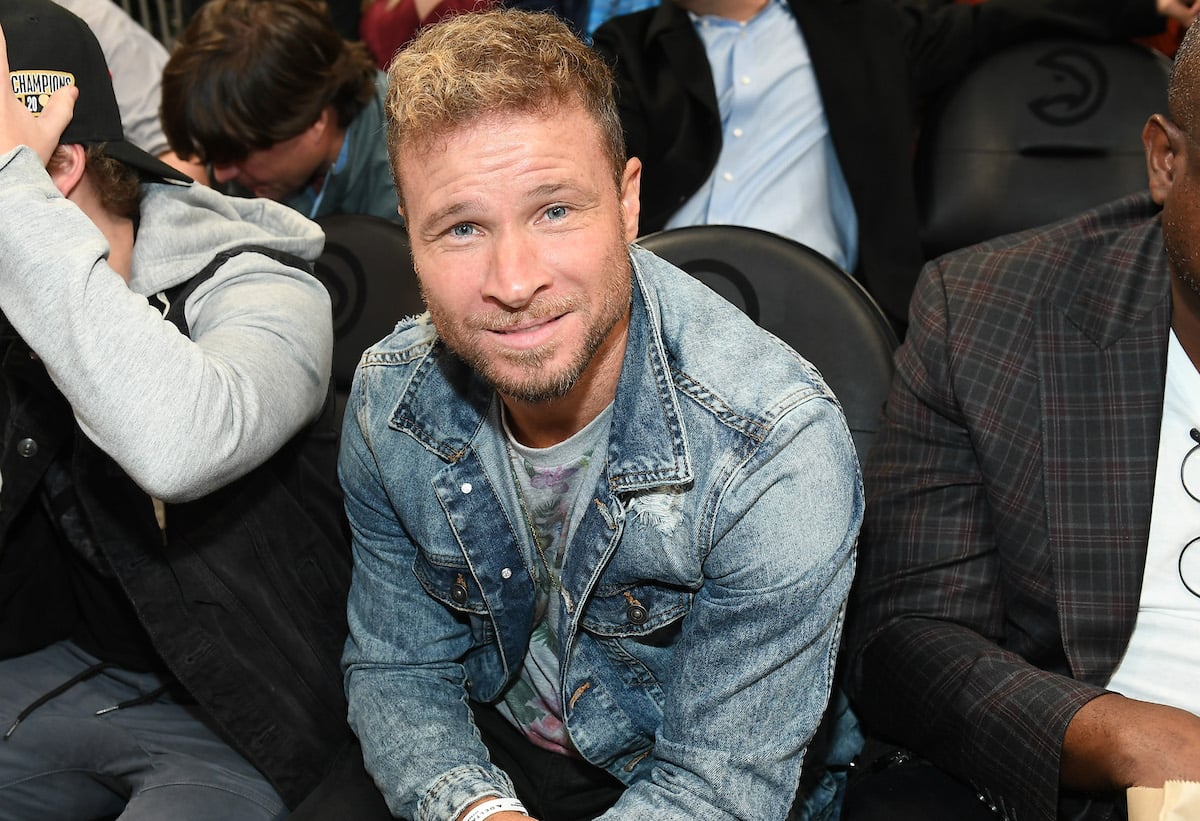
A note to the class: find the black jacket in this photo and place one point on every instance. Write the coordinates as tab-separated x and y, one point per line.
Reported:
243	600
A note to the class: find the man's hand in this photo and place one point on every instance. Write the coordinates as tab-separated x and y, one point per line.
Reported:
1184	11
18	126
1115	742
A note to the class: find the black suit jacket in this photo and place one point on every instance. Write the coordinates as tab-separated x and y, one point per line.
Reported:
1009	494
875	62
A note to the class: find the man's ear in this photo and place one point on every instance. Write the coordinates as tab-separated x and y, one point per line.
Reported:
631	197
1164	142
67	166
323	125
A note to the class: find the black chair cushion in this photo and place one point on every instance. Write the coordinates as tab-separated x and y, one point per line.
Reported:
801	297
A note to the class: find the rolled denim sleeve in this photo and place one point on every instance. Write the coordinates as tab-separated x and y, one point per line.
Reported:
756	659
407	694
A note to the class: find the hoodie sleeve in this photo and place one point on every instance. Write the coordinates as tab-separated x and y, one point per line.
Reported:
182	416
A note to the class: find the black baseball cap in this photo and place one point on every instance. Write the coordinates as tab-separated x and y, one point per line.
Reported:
49	48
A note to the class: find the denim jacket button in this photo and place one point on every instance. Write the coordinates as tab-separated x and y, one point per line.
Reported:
466	487
506	573
27	448
458	593
637	614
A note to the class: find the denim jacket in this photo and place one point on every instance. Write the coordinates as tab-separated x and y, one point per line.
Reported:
703	591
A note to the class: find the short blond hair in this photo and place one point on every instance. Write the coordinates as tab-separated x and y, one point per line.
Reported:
478	64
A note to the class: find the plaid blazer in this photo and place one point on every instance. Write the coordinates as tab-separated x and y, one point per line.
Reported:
1008	500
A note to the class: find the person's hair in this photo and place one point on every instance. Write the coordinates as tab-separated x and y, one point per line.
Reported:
1183	91
478	64
118	186
247	74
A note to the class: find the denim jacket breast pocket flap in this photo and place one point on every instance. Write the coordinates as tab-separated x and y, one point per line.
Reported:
635	611
450	582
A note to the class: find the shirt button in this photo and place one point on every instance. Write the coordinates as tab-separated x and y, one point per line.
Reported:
745	80
727	177
637	614
458	593
737	132
466	487
506	573
27	448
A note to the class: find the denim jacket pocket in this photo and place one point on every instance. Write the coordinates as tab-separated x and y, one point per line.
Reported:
450	582
635	611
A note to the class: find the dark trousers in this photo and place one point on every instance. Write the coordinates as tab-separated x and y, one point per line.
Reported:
913	791
552	787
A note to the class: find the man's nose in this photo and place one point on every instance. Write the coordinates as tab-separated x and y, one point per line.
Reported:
515	273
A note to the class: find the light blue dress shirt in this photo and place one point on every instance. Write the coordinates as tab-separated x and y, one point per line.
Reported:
777	169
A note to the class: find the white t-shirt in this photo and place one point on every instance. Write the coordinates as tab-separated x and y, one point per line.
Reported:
1162	662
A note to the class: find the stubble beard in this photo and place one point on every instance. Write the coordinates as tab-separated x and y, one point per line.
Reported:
1180	262
1188	280
529	383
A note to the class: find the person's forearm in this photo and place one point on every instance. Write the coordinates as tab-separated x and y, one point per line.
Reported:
1114	742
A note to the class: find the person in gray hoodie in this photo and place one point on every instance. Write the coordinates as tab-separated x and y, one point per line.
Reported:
173	560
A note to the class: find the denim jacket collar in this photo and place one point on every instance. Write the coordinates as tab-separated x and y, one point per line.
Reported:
446	404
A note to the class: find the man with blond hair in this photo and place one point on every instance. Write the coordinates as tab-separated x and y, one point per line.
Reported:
593	561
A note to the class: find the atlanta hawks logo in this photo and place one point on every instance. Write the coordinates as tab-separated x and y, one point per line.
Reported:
34	87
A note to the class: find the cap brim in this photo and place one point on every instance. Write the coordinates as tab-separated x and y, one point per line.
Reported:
150	167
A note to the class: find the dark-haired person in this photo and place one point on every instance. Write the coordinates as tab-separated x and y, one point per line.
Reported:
277	104
173	565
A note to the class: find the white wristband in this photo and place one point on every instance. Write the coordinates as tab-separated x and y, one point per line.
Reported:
493	806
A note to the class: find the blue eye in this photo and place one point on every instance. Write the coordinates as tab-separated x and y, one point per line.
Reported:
463	230
556	212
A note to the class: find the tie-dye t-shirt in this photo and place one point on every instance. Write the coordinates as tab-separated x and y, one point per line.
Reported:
555	485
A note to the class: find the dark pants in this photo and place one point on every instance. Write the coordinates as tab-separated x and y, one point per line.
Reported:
345	792
913	791
76	757
552	787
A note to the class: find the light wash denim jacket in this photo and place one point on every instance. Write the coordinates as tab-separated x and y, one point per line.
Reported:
702	594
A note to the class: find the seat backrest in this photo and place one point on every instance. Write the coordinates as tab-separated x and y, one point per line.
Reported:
367	268
804	299
1035	133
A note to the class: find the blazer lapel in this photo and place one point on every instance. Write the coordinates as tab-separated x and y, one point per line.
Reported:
1102	358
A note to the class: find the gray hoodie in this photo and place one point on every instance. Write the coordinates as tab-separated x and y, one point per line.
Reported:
182	416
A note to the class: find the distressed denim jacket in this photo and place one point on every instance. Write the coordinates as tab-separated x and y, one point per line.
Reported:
702	594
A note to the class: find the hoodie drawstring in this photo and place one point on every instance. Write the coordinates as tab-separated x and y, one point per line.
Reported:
84	675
